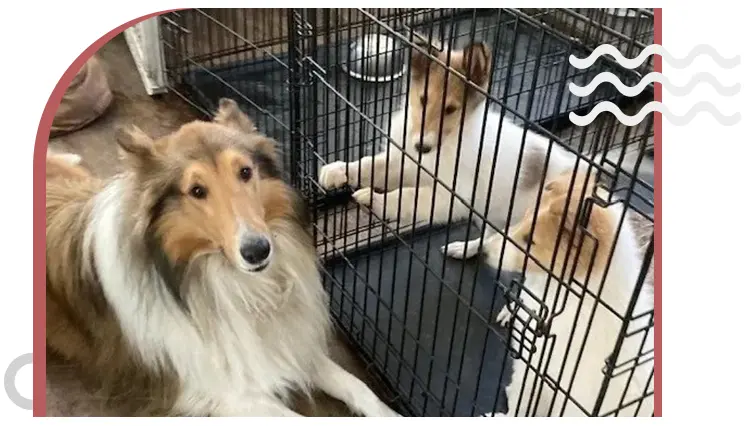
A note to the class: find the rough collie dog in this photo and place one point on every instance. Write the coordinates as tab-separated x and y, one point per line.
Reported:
461	156
564	355
189	283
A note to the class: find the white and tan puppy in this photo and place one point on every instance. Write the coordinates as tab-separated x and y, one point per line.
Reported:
437	93
585	318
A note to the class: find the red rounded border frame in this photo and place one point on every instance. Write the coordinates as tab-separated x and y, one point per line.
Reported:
657	241
39	221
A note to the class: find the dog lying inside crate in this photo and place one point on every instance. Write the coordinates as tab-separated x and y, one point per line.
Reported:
581	258
188	285
436	93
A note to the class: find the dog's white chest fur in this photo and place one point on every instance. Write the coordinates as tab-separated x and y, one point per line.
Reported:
225	346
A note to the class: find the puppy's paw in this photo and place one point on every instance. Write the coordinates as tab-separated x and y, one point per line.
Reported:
369	198
494	415
333	175
503	317
374	201
461	249
364	196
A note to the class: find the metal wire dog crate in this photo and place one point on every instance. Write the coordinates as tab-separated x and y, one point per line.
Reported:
421	320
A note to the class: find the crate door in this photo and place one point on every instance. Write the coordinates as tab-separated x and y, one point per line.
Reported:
144	43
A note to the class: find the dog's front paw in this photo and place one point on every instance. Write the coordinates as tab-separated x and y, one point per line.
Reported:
494	415
461	249
371	199
364	196
333	175
503	317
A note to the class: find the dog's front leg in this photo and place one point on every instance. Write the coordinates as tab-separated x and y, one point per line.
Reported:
339	384
409	204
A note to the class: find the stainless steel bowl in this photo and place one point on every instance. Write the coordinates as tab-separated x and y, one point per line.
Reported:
374	58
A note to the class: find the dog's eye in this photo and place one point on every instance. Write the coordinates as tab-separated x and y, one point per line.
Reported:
423	100
245	174
198	191
450	109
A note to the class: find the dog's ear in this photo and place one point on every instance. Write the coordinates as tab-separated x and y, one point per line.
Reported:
230	114
550	187
265	154
557	203
266	146
134	144
558	194
578	193
477	63
421	61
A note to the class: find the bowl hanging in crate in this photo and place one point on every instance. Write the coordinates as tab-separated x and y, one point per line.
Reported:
374	58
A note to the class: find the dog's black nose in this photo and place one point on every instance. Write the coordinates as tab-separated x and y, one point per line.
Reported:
423	148
255	250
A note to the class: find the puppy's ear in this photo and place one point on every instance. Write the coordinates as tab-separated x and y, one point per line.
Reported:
582	190
477	63
230	114
550	187
134	144
421	61
557	205
559	192
578	193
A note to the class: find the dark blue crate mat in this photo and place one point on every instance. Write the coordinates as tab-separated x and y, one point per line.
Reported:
383	298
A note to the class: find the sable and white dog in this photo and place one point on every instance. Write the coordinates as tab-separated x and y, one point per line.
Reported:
188	284
431	97
573	315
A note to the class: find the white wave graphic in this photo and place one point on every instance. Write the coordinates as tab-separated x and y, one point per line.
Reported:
655	49
655	106
654	77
